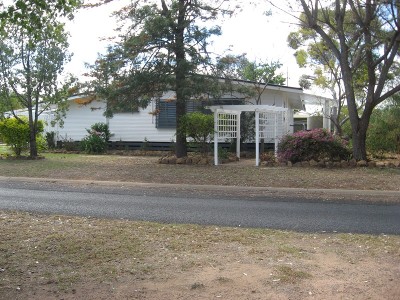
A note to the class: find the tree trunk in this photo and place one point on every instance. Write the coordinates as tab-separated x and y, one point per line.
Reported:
32	128
33	152
359	145
359	130
181	147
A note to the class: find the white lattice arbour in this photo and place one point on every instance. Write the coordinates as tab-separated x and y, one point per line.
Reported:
271	125
227	125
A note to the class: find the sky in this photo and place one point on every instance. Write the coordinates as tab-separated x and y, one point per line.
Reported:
262	37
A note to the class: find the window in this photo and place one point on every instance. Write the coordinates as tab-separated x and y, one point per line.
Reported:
166	108
166	117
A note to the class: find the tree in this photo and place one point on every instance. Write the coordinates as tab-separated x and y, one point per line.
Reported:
313	53
7	104
372	41
33	50
258	76
164	47
34	15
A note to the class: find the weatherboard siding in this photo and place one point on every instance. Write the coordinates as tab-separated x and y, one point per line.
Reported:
133	127
141	125
79	118
138	126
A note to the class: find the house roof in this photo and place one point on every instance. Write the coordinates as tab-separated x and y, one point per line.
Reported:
296	95
316	99
269	85
235	109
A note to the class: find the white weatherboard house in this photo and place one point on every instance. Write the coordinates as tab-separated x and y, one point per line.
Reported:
156	122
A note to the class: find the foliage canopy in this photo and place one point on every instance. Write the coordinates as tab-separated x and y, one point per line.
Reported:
163	47
363	37
16	133
384	130
33	51
199	127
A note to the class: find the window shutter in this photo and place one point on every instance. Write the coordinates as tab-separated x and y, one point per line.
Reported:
166	117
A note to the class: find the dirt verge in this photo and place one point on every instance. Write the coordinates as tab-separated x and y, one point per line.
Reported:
58	257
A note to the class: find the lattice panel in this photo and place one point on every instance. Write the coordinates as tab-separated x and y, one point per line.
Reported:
271	125
227	126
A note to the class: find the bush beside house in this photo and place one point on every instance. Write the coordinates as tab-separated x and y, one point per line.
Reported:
317	144
16	134
200	128
96	141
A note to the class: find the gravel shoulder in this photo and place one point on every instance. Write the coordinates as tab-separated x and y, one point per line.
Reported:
206	191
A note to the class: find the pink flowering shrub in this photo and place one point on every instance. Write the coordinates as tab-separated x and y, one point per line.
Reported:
317	144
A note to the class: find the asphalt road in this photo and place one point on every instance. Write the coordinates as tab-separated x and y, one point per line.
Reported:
172	205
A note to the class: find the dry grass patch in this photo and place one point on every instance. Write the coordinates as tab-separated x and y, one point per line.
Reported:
287	274
47	257
146	169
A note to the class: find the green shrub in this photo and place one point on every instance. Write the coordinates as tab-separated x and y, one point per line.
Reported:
103	128
41	143
16	133
96	141
247	126
384	131
223	153
199	127
317	144
51	139
94	144
172	146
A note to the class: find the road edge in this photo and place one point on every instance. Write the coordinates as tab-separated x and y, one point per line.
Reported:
207	187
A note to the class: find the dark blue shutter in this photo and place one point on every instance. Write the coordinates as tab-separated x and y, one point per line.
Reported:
166	117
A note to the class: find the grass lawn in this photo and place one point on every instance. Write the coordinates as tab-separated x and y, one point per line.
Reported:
147	169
